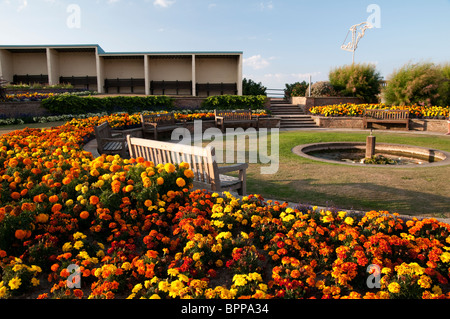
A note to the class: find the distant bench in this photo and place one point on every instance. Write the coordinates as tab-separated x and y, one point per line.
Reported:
120	83
30	79
85	81
386	117
156	123
223	88
224	117
202	161
170	85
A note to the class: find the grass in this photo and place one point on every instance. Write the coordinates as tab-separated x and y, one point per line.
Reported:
410	191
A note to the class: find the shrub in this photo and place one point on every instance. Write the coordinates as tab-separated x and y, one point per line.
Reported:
444	88
229	102
322	89
65	104
357	80
296	89
414	84
252	88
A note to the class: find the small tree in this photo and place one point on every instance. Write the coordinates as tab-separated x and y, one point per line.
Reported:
357	80
414	84
296	89
249	87
444	88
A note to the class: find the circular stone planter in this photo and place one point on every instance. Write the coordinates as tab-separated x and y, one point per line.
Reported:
431	157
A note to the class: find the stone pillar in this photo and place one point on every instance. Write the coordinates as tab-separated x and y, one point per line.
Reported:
370	146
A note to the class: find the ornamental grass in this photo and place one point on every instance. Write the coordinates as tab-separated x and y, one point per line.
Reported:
76	227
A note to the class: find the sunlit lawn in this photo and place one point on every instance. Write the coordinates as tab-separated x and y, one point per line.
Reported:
412	191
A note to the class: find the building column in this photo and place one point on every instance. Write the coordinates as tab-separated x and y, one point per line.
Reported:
53	66
147	74
100	73
194	76
6	65
239	75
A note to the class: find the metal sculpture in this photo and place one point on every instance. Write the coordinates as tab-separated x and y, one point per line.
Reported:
358	31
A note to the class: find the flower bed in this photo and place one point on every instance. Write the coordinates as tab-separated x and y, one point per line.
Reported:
420	112
134	230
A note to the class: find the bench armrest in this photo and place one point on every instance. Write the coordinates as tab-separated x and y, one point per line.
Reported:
232	168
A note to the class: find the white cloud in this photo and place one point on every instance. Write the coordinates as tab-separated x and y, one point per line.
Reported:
256	62
163	3
23	5
266	5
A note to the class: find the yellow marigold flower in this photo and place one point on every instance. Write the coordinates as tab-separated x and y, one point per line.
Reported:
78	245
15	283
136	288
349	221
172	272
170	168
196	256
239	280
181	182
394	288
445	257
155	296
126	266
35	282
163	286
67	247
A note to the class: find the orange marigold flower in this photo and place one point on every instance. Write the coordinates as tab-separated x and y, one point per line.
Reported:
94	200
53	199
20	234
84	215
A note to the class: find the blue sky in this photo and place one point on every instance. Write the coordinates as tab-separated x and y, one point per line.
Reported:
283	40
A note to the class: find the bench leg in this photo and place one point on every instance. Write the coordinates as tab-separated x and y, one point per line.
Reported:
243	177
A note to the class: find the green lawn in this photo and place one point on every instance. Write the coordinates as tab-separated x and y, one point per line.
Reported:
411	191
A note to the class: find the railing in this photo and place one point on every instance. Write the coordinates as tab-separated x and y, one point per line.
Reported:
279	93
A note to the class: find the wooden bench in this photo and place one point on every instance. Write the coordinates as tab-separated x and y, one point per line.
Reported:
202	161
120	83
223	88
223	117
111	141
84	81
30	79
386	117
153	124
171	85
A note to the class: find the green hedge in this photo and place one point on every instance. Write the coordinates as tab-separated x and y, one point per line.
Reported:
79	105
230	102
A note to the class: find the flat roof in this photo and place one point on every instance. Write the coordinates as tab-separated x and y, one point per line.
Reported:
101	52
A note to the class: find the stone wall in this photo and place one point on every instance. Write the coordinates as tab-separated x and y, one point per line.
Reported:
429	125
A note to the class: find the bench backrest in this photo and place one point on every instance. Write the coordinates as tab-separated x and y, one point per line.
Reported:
101	132
201	160
387	114
158	119
124	82
234	115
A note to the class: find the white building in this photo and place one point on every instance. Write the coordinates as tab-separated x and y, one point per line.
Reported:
150	73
